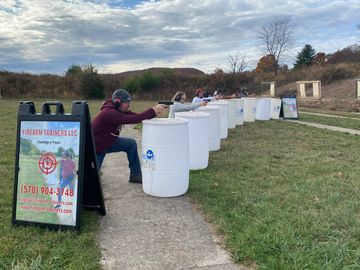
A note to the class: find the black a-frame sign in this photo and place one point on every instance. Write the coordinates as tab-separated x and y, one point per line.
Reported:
289	107
92	198
56	171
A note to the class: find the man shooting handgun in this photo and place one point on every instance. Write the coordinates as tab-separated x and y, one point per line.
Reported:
114	113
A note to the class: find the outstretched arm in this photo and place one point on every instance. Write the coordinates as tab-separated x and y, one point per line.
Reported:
179	107
131	117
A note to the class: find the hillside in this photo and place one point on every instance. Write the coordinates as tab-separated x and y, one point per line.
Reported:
338	84
340	89
174	71
338	95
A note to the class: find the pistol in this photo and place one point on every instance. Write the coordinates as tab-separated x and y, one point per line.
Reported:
164	102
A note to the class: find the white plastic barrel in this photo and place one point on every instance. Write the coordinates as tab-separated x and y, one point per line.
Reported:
223	117
165	157
275	108
249	109
231	113
239	111
263	109
198	138
214	126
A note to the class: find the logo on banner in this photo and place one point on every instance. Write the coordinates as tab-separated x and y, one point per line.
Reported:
47	163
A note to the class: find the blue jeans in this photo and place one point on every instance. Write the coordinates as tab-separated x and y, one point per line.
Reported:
65	182
127	145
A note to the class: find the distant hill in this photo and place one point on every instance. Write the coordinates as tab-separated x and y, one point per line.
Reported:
175	71
338	83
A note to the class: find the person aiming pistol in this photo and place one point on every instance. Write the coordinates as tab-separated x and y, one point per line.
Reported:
180	106
114	113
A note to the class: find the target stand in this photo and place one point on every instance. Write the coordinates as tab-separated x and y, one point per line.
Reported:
56	173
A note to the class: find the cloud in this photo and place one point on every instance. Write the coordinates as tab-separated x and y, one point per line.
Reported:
48	36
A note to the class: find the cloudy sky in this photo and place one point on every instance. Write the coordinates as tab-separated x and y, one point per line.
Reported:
47	36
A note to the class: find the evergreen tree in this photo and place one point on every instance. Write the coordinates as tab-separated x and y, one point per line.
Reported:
305	57
92	85
73	70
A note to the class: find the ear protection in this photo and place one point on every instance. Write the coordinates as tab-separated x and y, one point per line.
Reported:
117	102
178	97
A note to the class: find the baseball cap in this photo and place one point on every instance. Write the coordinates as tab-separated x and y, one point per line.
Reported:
121	94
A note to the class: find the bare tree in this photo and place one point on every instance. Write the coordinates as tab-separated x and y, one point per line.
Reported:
237	63
277	38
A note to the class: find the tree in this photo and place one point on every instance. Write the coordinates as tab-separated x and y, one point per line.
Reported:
305	57
284	67
73	70
218	71
348	54
132	85
149	80
91	83
277	38
237	63
266	63
320	58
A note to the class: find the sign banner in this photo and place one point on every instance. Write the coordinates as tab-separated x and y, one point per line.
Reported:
289	107
47	179
56	173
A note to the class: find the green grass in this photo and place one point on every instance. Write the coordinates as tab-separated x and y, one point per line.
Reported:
331	112
284	196
37	248
32	178
331	121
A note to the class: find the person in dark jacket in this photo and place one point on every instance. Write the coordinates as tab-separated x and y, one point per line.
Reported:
114	113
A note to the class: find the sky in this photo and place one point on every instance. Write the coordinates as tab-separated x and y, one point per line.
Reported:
48	36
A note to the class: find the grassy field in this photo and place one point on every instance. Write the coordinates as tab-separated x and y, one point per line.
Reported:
345	121
283	196
331	112
32	177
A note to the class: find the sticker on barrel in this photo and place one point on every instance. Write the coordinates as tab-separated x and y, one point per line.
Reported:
148	158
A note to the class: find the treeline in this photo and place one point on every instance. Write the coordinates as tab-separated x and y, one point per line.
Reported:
84	82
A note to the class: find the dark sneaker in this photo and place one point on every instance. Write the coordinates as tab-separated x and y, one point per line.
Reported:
57	206
135	178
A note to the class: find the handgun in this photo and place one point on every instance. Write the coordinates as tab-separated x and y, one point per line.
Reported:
164	102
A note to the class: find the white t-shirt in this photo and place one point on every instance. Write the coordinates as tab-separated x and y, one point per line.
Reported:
199	100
